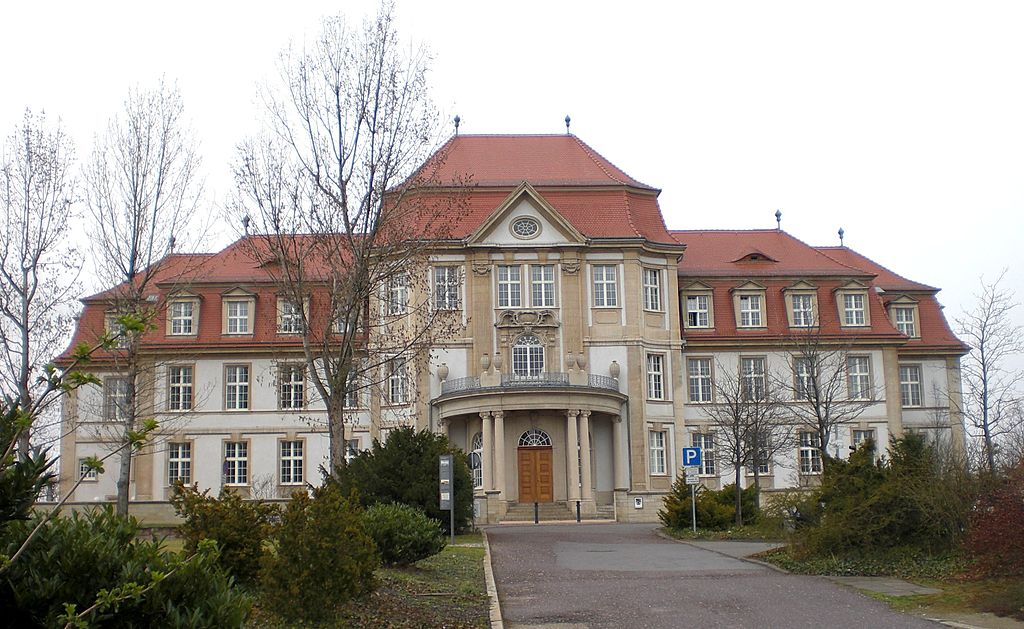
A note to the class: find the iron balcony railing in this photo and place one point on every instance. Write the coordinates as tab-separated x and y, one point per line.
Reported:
545	379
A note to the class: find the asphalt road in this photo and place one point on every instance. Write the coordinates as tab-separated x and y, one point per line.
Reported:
623	575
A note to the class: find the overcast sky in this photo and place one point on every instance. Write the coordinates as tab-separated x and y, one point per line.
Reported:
902	122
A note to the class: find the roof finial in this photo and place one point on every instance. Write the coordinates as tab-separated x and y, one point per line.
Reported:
842	232
567	121
170	244
778	219
457	121
245	224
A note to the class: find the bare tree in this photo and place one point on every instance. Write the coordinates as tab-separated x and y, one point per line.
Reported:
992	391
142	188
38	265
333	197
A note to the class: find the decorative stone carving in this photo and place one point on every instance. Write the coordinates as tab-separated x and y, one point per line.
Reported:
527	319
485	362
497	361
442	372
581	360
613	369
481	268
570	267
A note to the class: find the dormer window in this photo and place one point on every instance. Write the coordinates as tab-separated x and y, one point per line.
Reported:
700	307
853	309
751	315
289	317
239	311
802	305
904	314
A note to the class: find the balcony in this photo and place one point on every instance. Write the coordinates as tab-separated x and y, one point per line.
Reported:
546	379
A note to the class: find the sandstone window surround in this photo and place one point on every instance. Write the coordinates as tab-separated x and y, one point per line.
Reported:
749	305
238	308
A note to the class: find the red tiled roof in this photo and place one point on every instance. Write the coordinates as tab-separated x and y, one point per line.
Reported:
711	253
885	279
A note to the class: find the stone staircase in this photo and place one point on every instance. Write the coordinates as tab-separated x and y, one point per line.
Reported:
552	511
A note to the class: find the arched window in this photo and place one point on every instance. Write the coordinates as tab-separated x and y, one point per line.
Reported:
476	460
527	357
534	438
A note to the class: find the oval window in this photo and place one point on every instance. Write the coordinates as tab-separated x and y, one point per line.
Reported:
525	227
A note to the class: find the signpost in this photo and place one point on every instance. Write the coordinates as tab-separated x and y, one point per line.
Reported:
691	463
448	490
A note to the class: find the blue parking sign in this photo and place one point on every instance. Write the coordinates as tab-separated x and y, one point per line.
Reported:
691	456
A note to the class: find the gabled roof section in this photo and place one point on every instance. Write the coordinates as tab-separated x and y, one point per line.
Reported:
885	279
547	211
714	253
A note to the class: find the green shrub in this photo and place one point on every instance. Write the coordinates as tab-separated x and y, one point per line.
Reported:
405	470
403	534
321	556
716	510
73	558
238	526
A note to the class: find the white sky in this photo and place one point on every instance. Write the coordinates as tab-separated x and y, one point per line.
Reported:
902	122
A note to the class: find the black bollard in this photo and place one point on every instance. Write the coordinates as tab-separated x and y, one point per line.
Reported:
536	513
577	512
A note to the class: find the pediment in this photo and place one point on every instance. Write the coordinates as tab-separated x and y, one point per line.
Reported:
523	210
902	299
698	286
852	285
801	285
749	285
237	291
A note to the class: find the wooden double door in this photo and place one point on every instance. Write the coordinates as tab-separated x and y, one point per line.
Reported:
536	475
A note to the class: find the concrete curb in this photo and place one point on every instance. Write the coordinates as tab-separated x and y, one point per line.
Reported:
758	562
492	587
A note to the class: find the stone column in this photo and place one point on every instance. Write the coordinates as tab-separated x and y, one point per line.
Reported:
572	461
485	455
499	452
619	466
588	489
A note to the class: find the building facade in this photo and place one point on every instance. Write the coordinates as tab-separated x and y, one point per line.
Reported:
585	344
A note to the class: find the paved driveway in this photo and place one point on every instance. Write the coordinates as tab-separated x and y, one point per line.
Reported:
623	575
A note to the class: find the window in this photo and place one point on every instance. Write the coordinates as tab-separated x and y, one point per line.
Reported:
858	377
542	285
236	463
700	379
652	289
810	453
803	377
752	371
750	311
114	328
238	316
236	389
179	388
853	309
115	399
904	317
446	288
291	463
525	227
698	311
353	399
352	449
657	439
527	357
179	463
398	381
605	288
860	436
398	294
655	377
85	472
706	442
803	311
910	385
291	386
762	463
182	317
289	317
510	287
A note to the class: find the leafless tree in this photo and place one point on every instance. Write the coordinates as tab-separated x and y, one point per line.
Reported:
333	198
992	391
38	265
141	190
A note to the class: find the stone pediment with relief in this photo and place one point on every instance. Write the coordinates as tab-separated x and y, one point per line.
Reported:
525	218
527	319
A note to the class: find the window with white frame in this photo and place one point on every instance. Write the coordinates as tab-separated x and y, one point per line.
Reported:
510	286
238	316
706	442
179	462
398	294
291	381
904	318
353	388
181	315
652	289
289	317
352	448
763	463
180	382
810	453
447	281
122	338
115	399
657	442
700	379
236	463
750	311
752	371
476	459
291	463
803	377
858	377
853	309
803	310
860	436
605	286
910	385
698	311
236	387
655	376
86	472
527	357
542	285
398	381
